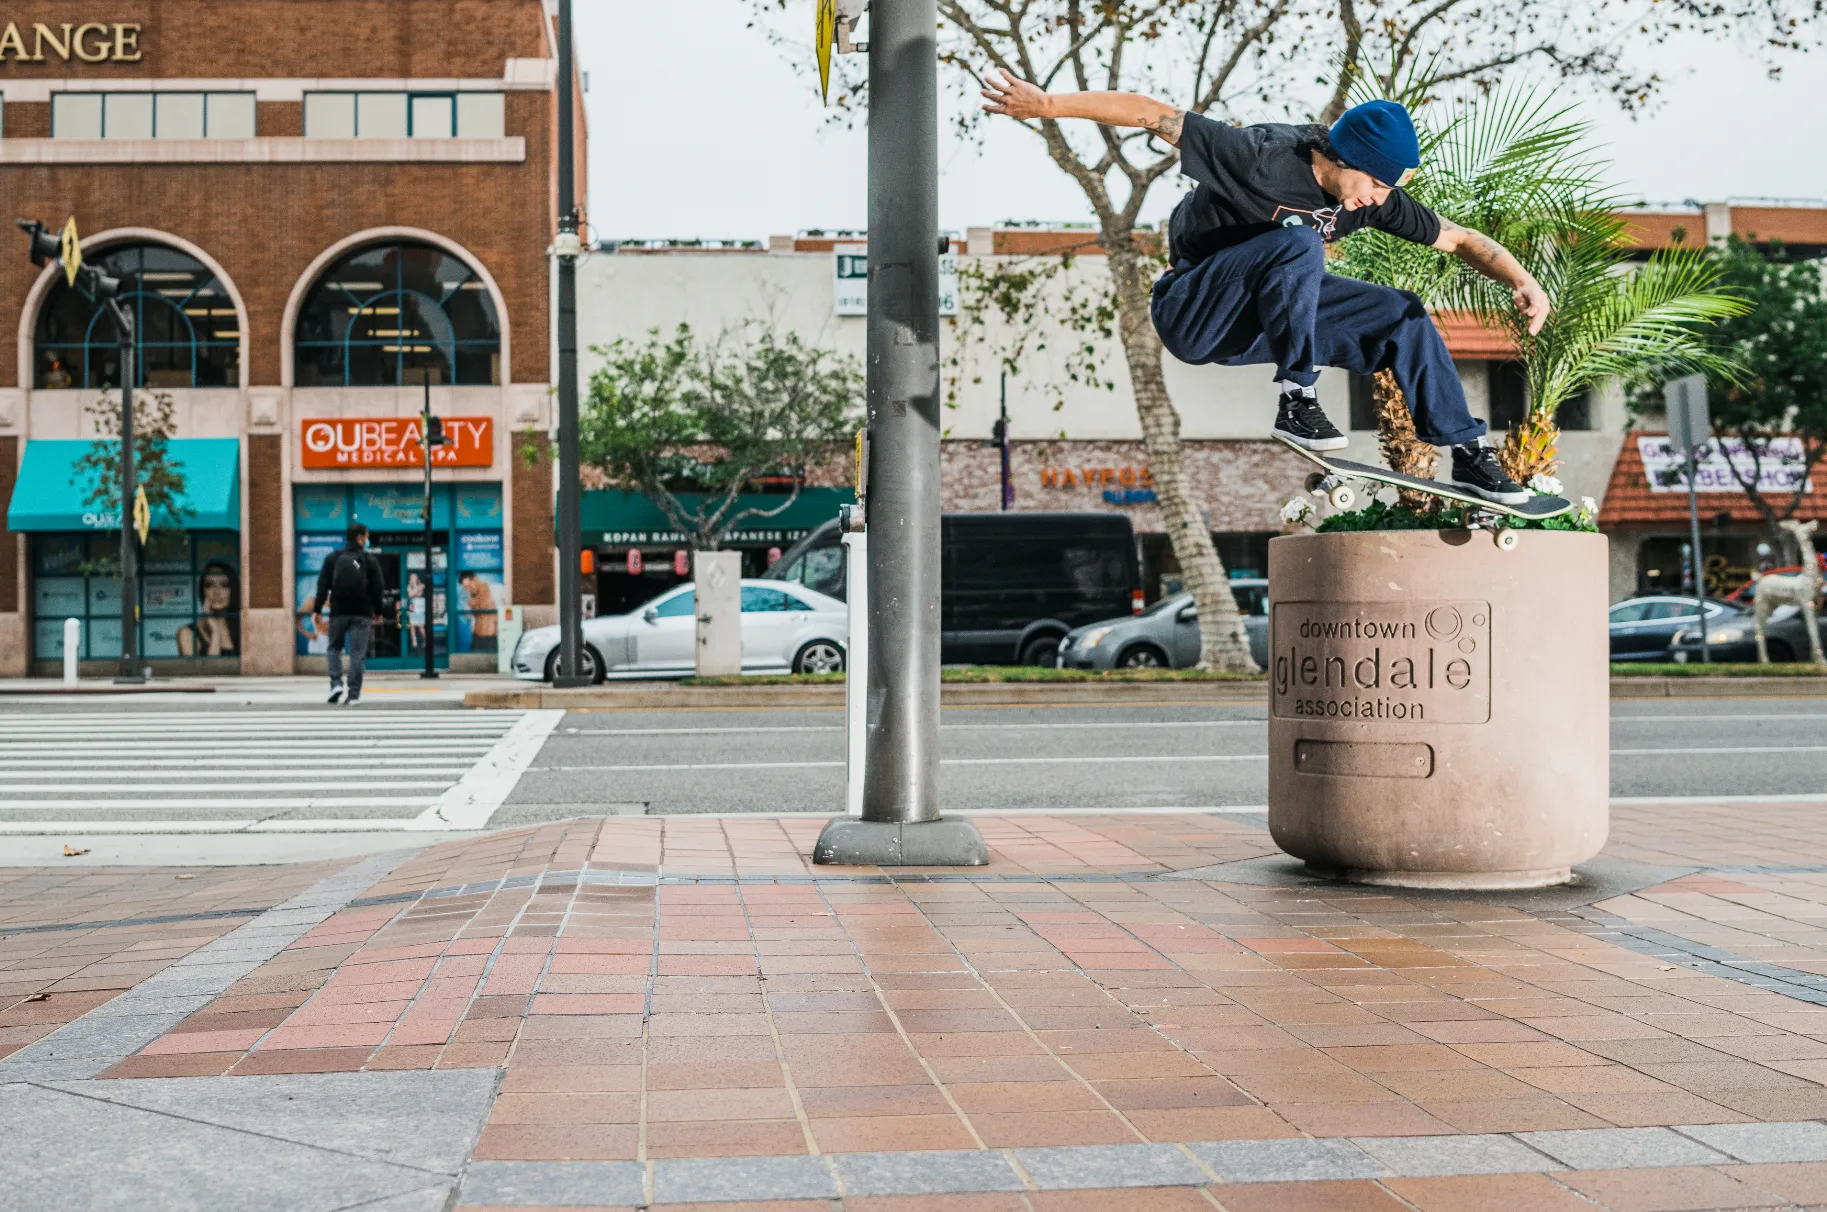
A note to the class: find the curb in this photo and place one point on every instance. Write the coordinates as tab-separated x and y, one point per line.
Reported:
667	695
955	694
1718	688
108	688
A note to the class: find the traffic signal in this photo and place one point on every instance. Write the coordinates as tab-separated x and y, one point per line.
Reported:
434	432
62	247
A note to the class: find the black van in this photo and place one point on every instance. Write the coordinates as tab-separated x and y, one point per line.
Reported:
1012	584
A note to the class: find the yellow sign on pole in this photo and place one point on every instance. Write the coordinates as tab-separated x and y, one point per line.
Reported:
823	37
142	515
72	251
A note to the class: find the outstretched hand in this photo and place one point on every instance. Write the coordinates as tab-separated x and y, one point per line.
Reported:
1015	98
1532	301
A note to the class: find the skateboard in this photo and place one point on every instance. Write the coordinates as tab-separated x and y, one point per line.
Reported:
1331	482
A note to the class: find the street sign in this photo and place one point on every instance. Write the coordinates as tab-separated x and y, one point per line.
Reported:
70	246
850	281
1688	424
824	34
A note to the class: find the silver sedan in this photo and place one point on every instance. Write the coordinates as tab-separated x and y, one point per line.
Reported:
1166	635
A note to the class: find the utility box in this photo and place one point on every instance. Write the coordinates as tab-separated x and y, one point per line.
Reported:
510	623
717	576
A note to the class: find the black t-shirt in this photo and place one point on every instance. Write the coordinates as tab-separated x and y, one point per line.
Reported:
1253	179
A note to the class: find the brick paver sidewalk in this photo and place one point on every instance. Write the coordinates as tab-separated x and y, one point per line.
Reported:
1131	1012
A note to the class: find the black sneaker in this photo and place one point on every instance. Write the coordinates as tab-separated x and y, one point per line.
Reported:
1303	422
336	696
1475	469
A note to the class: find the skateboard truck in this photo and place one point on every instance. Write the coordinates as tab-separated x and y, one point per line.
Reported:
1337	492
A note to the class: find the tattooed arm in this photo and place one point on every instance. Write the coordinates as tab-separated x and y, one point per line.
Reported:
1019	99
1495	261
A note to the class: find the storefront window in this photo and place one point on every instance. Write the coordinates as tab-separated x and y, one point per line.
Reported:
397	314
184	323
190	594
466	521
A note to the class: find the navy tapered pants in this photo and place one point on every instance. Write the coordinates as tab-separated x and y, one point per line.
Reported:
1270	301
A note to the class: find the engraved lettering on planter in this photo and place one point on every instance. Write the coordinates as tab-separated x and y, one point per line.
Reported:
1374	662
1364	759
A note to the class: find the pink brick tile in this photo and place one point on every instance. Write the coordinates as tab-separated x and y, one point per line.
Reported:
202	1041
588	1003
345	1036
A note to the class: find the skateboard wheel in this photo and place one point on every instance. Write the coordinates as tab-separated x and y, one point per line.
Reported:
1506	539
1316	483
1342	497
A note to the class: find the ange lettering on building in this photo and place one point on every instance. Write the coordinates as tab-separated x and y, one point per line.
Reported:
1381	661
84	42
330	442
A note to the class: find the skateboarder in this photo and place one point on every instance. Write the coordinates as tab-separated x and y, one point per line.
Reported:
1248	283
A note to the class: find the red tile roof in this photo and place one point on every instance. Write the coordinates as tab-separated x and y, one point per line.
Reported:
1629	500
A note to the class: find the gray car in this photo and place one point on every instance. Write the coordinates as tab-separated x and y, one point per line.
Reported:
1166	635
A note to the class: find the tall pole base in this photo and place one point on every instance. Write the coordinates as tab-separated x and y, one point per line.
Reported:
846	841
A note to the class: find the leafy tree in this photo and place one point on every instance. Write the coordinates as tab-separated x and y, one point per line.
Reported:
156	471
1781	343
673	418
1224	58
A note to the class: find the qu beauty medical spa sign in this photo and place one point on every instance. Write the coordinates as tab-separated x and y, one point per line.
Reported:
1372	661
336	442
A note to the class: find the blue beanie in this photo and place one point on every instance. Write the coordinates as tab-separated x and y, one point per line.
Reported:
1377	137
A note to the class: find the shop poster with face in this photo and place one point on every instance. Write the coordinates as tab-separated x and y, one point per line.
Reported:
313	637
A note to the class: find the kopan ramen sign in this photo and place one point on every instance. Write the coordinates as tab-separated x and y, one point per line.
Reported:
333	442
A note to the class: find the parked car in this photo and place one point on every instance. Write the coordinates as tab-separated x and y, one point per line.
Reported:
1166	635
1734	637
1011	584
1642	629
785	629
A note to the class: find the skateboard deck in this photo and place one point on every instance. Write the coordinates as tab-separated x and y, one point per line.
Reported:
1536	508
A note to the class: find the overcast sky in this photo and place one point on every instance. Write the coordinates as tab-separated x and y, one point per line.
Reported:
700	128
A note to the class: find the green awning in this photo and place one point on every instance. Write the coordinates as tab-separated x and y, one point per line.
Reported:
628	519
52	493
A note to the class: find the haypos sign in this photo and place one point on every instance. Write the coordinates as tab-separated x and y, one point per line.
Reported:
331	442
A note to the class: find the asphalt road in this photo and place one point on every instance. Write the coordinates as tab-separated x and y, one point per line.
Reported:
1091	758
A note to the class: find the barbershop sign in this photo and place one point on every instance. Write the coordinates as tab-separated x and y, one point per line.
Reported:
85	42
332	442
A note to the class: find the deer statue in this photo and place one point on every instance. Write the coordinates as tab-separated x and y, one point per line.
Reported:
1800	589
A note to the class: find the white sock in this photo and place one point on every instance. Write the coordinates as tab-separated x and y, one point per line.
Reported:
1290	388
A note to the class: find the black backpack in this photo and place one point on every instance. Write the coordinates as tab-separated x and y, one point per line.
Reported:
348	584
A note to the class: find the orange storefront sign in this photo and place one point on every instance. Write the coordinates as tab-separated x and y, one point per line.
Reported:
331	442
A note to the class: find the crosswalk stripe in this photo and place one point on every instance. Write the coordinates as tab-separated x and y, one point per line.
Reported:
231	771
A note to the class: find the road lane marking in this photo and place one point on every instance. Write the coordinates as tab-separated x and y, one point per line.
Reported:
475	797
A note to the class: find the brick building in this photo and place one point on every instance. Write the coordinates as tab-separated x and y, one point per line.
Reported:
320	210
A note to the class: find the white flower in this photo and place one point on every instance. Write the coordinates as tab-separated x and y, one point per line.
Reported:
1547	486
1297	512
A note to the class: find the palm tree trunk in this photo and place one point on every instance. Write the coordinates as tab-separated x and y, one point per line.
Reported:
1531	448
1402	449
1223	642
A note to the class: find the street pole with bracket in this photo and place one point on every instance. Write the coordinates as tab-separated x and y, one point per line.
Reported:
431	433
567	248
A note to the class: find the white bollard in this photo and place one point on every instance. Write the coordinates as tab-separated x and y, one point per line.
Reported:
856	667
72	644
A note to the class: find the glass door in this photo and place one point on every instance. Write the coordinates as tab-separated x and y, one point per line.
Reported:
399	640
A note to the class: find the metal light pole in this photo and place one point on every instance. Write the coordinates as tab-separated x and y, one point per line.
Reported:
1690	425
567	247
131	673
427	439
900	822
1002	442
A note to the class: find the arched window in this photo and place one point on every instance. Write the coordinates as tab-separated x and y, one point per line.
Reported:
184	322
394	314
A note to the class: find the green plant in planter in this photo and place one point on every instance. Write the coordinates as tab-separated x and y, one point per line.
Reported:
1513	166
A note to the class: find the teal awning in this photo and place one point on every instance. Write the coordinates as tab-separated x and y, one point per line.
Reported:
628	519
52	493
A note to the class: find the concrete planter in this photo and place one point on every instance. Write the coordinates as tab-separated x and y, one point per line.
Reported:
1438	707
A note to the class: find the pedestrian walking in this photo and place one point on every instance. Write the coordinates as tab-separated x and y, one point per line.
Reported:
349	591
